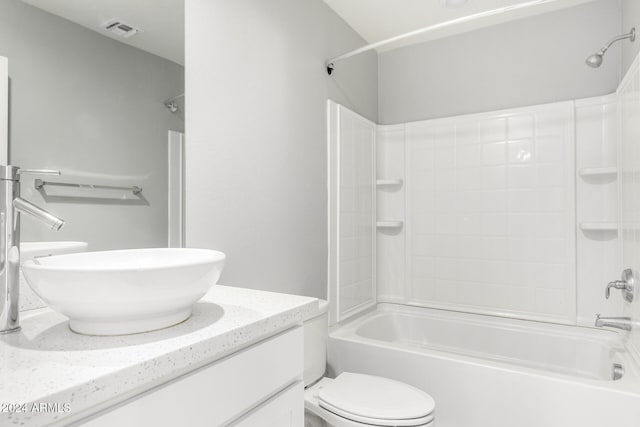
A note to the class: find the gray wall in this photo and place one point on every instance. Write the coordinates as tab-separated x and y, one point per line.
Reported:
82	102
256	150
630	18
529	61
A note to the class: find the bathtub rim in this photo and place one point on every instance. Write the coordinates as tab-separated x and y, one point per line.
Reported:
615	339
346	331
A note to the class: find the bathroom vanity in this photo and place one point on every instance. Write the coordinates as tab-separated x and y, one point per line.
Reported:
238	360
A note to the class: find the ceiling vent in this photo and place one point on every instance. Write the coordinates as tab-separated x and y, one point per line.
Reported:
120	29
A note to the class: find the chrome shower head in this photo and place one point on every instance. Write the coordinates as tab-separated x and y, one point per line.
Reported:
595	60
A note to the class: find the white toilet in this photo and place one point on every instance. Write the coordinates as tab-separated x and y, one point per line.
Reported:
355	400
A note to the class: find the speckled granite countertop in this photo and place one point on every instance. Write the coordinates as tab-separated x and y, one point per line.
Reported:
47	363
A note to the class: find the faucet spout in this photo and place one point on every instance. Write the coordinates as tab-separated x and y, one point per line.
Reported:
28	208
623	323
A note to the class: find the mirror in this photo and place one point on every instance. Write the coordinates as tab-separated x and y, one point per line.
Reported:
88	84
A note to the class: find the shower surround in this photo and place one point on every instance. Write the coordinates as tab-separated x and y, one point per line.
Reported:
494	236
509	213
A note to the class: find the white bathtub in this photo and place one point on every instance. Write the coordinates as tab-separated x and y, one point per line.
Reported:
492	372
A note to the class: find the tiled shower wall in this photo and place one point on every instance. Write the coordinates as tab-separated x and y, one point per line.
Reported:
629	104
490	214
352	212
390	245
596	206
489	209
509	213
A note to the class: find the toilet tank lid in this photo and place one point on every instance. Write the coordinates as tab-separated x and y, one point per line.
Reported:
323	307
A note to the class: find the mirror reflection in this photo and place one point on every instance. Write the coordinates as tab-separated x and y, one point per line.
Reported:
96	92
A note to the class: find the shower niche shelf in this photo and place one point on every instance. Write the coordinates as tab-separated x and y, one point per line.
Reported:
603	171
389	224
396	182
599	226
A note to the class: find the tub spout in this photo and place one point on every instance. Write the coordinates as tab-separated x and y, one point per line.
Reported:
623	323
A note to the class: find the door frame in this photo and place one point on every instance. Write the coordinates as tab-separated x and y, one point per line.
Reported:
4	110
175	183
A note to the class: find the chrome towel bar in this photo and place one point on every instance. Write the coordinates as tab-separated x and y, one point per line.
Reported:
39	184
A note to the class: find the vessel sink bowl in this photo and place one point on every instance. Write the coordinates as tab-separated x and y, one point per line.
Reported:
124	291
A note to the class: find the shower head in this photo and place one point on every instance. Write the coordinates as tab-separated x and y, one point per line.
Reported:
595	60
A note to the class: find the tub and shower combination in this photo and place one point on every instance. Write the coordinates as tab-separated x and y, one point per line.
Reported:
467	258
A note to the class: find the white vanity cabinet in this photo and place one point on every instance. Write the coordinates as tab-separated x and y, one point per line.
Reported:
260	386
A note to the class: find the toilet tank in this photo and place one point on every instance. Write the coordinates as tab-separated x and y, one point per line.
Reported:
315	343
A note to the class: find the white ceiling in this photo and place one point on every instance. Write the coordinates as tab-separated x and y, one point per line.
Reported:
161	21
377	20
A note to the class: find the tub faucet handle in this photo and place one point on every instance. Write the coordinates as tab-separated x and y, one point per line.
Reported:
618	284
626	284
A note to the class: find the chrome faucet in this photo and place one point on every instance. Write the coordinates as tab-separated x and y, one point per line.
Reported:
626	284
11	205
623	323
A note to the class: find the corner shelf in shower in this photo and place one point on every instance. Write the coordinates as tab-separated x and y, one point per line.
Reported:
605	171
599	226
389	224
389	182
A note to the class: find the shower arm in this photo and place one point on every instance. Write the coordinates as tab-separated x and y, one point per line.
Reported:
630	35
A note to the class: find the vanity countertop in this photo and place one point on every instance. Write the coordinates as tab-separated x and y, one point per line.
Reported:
47	363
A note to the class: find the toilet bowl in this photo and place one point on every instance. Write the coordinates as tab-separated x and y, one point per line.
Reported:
352	399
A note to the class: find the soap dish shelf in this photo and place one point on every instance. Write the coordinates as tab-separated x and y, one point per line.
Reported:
602	171
599	226
389	182
389	224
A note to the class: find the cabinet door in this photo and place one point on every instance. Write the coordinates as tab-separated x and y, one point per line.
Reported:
284	410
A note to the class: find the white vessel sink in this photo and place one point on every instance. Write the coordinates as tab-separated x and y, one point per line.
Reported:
29	250
124	291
